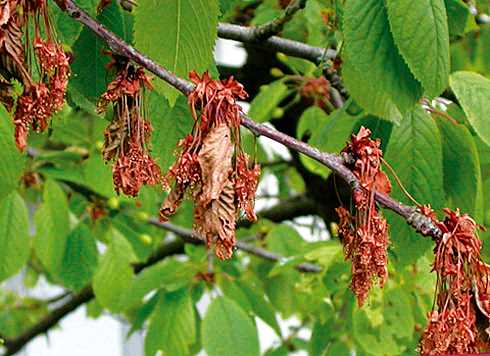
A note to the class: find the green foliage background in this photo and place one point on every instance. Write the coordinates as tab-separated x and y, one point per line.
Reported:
394	53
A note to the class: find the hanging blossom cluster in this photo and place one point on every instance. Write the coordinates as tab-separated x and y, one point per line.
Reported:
211	165
365	234
44	93
462	288
128	134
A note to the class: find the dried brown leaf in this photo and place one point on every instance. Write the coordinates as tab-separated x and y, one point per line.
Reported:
217	222
171	203
215	161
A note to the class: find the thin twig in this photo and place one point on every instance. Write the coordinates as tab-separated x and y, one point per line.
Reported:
192	237
275	26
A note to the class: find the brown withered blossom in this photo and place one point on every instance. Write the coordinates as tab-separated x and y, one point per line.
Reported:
462	288
127	136
316	91
211	167
45	95
365	234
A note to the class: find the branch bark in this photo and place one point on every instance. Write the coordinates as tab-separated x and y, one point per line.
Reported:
192	237
276	44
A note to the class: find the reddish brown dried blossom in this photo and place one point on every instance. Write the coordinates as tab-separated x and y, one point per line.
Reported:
211	165
134	169
316	91
33	110
127	135
42	98
365	235
462	288
246	181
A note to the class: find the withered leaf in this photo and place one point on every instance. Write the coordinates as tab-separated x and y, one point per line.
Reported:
114	135
4	12
215	161
217	222
382	183
171	203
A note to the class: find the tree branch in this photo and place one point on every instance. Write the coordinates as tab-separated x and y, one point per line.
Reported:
192	237
275	26
50	320
421	223
276	44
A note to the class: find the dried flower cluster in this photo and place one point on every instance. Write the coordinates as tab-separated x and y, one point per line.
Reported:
44	93
462	288
316	91
211	165
127	135
365	235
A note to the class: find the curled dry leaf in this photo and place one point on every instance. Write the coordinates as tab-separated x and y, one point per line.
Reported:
215	161
365	235
212	166
216	222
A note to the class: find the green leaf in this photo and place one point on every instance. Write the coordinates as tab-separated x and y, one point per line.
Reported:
267	100
415	153
473	93
313	124
89	77
14	235
462	175
374	339
114	274
397	313
98	175
325	254
285	240
251	299
374	72
52	228
420	30
170	126
172	325
80	258
12	163
227	330
281	291
169	274
190	32
260	305
458	16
